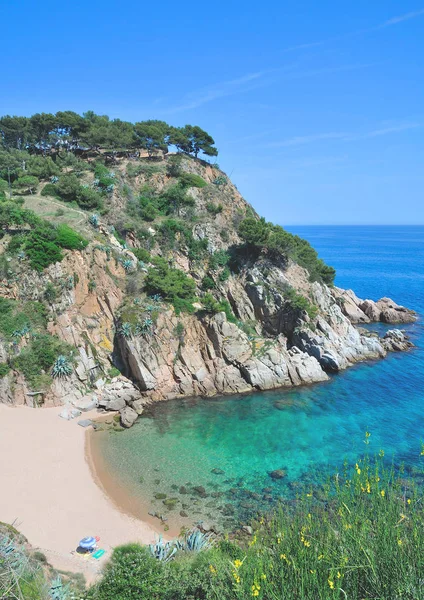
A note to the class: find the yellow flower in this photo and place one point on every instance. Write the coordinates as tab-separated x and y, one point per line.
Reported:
409	501
238	563
255	593
367	434
263	576
212	569
236	577
309	495
383	493
321	556
331	584
358	470
348	526
312	571
400	542
309	516
278	541
283	556
368	488
338	575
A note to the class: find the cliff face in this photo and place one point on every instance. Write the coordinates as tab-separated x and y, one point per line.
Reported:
260	339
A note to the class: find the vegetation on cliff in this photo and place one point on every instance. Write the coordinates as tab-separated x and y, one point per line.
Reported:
169	224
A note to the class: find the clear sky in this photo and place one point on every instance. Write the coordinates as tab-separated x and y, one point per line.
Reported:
316	107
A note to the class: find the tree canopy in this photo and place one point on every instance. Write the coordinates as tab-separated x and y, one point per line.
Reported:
46	132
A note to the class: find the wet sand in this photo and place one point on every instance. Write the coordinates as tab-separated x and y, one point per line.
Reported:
47	489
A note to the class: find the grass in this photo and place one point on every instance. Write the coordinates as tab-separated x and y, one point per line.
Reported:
358	536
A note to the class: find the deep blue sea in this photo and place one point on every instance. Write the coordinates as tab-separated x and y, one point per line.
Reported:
307	431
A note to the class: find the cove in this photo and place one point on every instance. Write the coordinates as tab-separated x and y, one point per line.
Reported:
212	458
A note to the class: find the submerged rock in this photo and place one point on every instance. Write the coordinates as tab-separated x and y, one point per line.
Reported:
277	474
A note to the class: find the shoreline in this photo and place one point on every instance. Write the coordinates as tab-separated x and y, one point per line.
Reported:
119	494
51	493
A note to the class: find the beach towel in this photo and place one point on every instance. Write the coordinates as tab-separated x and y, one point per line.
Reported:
98	554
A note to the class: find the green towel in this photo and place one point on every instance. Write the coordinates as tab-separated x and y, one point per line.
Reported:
99	553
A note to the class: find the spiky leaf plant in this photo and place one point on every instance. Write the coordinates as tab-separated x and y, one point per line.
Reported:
61	367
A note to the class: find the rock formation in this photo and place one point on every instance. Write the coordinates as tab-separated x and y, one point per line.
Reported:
268	342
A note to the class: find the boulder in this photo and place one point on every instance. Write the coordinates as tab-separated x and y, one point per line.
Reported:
277	474
128	416
115	404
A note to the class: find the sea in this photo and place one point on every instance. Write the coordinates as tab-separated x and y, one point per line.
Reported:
212	458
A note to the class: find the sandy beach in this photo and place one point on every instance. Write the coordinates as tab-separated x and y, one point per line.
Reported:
48	491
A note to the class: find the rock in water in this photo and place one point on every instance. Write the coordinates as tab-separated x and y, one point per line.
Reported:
128	416
278	474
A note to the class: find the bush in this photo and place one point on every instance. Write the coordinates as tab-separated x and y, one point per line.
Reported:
207	283
70	239
69	189
169	282
214	306
42	167
263	235
41	252
299	302
49	190
4	369
360	535
39	356
191	180
141	254
131	574
214	209
26	183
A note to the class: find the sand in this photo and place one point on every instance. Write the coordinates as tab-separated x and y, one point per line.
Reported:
47	489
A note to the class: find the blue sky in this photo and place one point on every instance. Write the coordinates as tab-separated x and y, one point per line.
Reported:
316	108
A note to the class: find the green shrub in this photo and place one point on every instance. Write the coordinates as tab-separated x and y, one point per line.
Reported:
169	282
299	302
50	293
208	283
131	574
214	306
16	316
214	209
26	183
69	238
260	234
173	166
191	180
49	190
42	167
220	258
39	356
4	369
41	252
141	254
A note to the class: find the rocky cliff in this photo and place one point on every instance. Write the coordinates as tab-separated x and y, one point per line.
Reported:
252	319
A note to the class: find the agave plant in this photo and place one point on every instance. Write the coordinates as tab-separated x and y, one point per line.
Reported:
125	330
59	591
145	327
61	367
110	188
195	541
19	333
156	298
220	180
163	551
128	264
94	221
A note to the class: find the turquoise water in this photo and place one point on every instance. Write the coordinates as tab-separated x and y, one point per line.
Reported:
307	431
